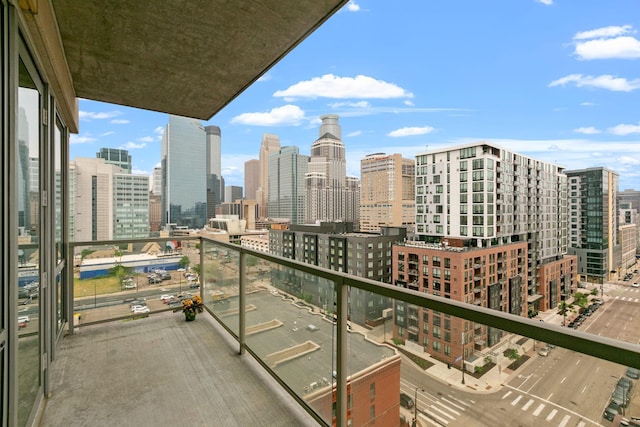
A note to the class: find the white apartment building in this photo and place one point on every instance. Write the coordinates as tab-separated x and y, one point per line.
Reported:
486	195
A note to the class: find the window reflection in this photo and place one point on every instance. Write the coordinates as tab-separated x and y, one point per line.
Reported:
28	210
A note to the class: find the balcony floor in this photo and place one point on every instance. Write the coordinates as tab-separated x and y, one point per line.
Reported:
163	371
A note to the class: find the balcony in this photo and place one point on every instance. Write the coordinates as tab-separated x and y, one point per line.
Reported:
271	327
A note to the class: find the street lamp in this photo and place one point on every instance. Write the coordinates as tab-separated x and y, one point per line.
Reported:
415	406
463	358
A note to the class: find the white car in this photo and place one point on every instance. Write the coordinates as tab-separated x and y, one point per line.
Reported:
141	309
635	285
23	319
138	307
166	296
544	351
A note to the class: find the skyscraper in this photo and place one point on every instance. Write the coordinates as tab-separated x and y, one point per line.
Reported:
215	181
232	193
387	194
287	169
156	187
251	179
593	209
184	173
328	196
116	156
270	144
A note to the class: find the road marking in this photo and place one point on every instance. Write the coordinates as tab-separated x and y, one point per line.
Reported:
564	421
584	389
436	417
460	401
435	408
453	404
538	410
432	417
549	398
516	400
551	415
563	380
577	361
528	404
505	396
448	409
581	424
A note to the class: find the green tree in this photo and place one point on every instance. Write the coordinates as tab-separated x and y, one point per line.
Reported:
196	269
563	308
184	262
85	253
581	299
595	292
512	354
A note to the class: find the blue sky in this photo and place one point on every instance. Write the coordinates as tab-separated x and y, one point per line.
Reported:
557	80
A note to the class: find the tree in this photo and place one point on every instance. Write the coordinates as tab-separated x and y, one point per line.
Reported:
85	253
184	262
595	292
563	308
196	269
580	299
512	354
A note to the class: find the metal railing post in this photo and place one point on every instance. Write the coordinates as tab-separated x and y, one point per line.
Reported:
341	354
242	302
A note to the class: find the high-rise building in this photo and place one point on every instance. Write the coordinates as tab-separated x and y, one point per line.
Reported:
593	208
118	206
329	198
156	187
251	179
116	156
486	196
232	193
387	192
215	181
287	168
184	173
270	144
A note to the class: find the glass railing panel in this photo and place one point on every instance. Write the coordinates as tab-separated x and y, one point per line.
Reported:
290	327
220	281
119	278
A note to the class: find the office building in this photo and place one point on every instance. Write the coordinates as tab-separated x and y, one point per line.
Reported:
116	156
156	181
184	173
251	179
232	193
488	196
270	144
119	204
287	168
387	192
593	209
329	196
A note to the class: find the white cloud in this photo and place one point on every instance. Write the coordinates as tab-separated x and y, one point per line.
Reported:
355	133
624	129
352	6
264	78
287	115
159	131
408	103
91	115
587	130
625	47
410	131
605	81
545	2
588	104
604	32
133	146
628	160
331	86
139	172
146	139
84	139
119	121
360	104
107	133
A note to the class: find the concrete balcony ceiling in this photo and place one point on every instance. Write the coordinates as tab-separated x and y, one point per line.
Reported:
189	58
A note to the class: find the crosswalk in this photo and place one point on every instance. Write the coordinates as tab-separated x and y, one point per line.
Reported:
437	410
545	410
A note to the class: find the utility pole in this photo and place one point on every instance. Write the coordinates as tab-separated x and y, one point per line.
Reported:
463	358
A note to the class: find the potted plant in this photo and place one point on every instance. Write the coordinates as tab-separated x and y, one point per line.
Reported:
191	307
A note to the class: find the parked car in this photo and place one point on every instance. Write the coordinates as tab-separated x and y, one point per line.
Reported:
141	309
544	351
625	383
406	401
166	297
611	411
154	279
635	285
620	396
633	373
23	319
136	307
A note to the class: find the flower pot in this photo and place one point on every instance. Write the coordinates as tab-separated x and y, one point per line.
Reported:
189	315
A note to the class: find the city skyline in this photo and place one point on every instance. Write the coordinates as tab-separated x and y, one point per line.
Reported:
556	82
